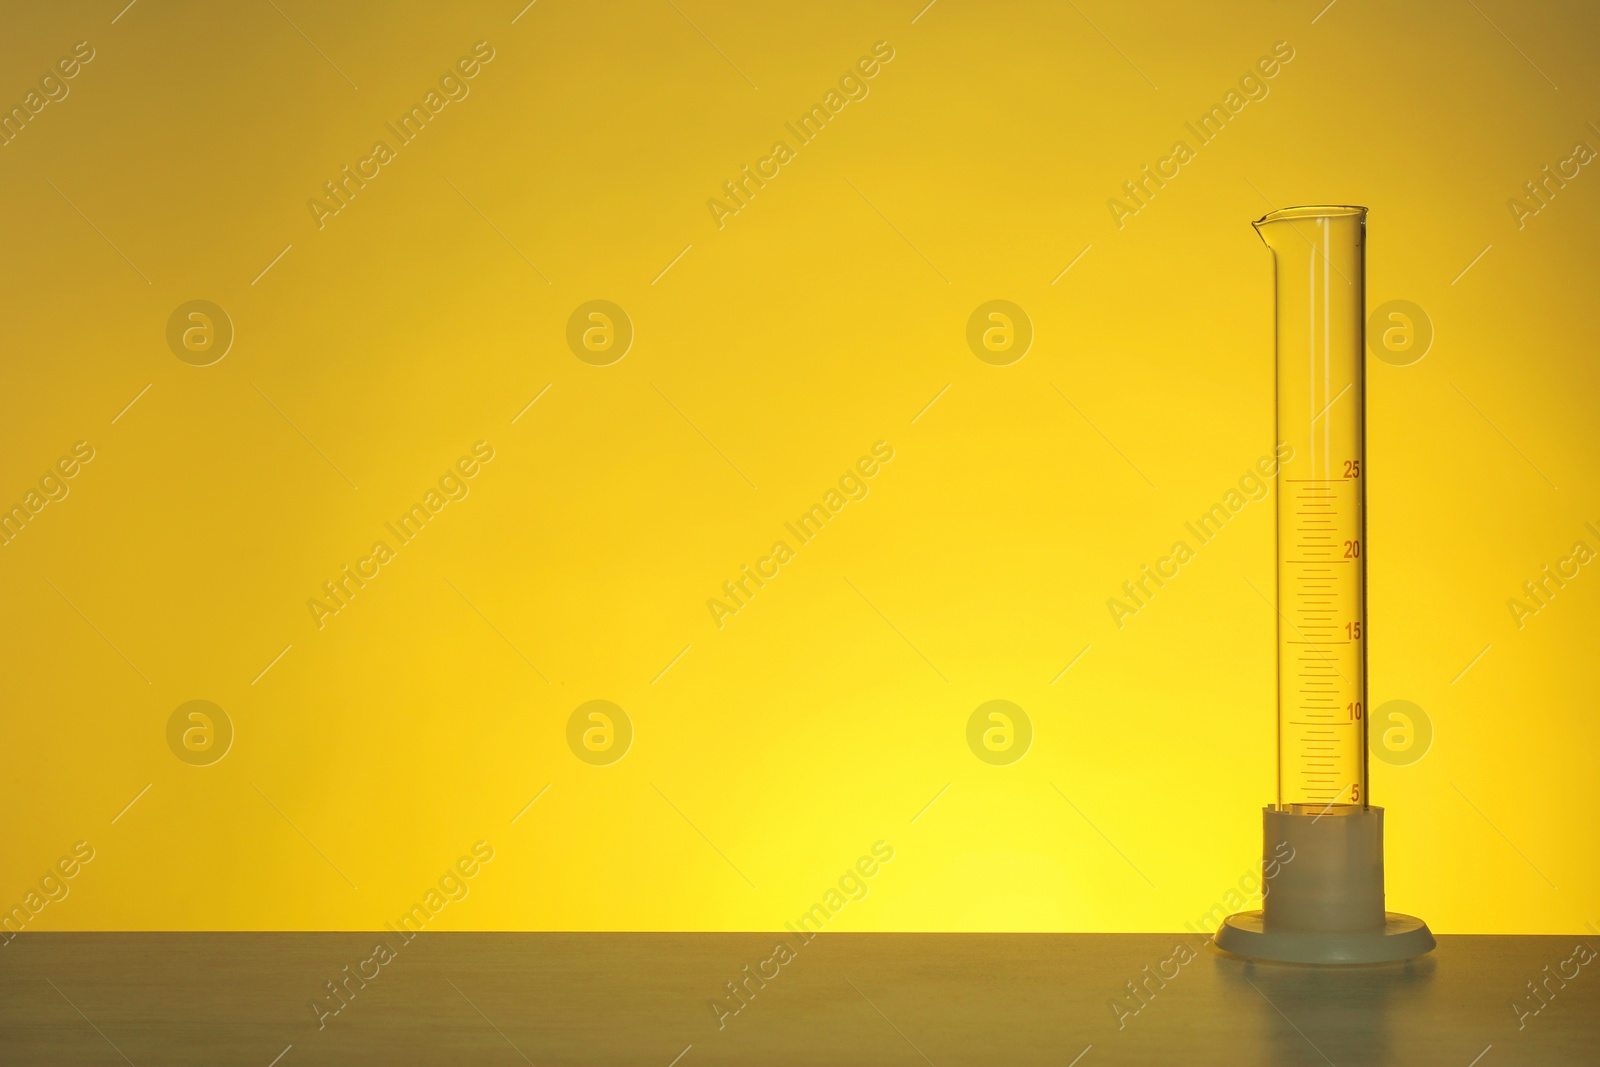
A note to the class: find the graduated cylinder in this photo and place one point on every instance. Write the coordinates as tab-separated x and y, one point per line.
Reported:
1322	843
1318	255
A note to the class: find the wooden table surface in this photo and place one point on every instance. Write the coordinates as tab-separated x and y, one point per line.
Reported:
881	999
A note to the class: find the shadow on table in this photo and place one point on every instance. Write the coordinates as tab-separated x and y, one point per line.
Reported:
1357	1010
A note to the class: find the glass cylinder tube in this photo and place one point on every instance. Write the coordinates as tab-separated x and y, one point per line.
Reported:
1319	265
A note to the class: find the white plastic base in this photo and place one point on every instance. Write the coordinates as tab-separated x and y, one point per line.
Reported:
1322	894
1402	937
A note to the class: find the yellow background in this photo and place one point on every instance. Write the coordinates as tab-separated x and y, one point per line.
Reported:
822	318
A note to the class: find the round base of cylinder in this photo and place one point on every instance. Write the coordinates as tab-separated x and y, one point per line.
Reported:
1322	893
1400	938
